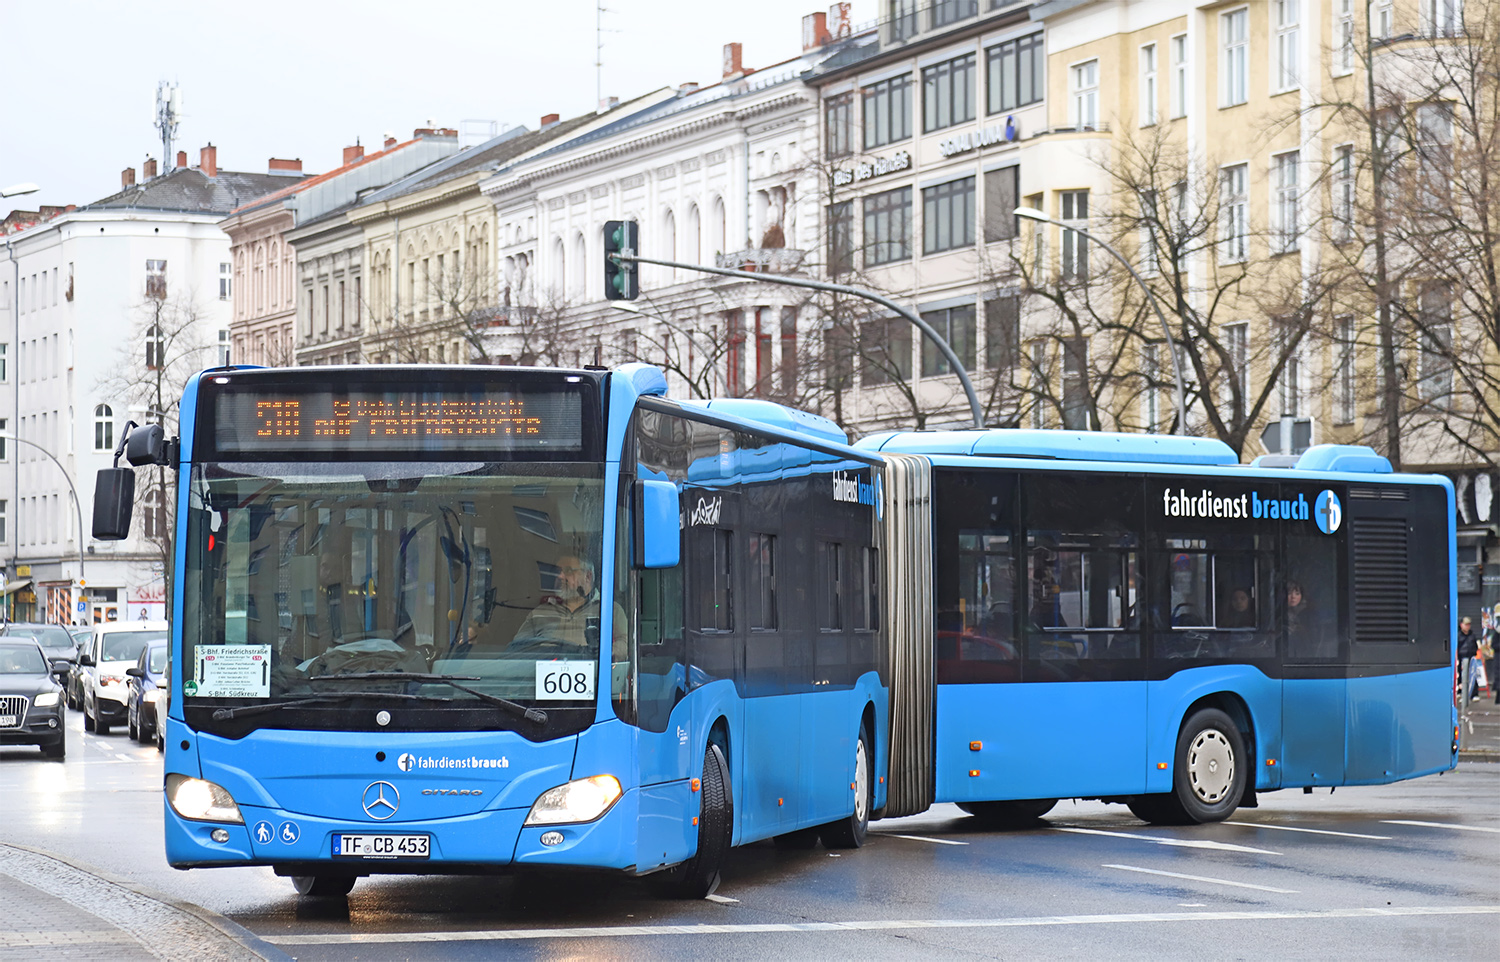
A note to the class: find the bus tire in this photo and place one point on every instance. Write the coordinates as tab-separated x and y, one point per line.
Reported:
849	832
1210	774
323	886
1009	814
1157	809
698	877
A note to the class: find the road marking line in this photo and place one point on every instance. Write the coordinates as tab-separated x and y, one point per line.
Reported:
123	757
1178	842
869	925
1311	831
1457	828
722	899
1203	878
921	838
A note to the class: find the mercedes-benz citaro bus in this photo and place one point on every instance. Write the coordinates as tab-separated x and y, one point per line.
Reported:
458	619
1142	619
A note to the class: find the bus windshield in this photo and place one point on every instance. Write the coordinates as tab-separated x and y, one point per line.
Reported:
309	585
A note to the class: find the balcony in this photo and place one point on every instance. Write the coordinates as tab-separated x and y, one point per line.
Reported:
764	260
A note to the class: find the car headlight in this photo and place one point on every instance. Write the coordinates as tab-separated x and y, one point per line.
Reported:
150	695
45	700
578	801
201	801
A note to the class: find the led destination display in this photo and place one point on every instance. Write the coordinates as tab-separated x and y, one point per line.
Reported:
415	420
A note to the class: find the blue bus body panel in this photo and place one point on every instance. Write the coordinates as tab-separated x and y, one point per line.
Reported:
1313	714
1394	728
1247	688
1040	740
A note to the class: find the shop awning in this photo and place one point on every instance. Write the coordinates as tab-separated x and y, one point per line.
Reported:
11	586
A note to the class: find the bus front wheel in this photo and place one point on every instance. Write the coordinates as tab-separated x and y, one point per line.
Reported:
699	876
323	886
850	832
1209	777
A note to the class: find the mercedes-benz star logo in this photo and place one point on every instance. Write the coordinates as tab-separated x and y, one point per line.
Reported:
381	800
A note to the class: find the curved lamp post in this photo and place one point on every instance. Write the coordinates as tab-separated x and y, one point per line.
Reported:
1032	214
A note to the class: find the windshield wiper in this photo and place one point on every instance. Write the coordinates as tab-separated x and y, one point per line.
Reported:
225	714
530	714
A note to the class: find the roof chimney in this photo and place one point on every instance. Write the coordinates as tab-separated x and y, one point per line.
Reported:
840	23
734	66
127	177
148	169
351	154
688	88
280	166
814	31
549	119
390	141
608	103
182	158
208	161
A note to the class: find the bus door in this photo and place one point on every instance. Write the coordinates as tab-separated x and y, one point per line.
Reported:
665	753
1314	688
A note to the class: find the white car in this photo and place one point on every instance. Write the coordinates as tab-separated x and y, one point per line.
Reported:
114	648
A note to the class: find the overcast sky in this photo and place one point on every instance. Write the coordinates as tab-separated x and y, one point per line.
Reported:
305	78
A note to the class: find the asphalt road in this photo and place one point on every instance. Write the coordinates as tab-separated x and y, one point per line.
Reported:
1409	871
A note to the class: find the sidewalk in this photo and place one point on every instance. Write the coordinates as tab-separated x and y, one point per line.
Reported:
54	909
1479	730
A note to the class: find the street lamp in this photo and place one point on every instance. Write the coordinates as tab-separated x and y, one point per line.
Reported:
1031	213
78	505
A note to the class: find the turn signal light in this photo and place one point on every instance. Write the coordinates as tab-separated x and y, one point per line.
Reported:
1161	766
1270	763
973	773
697	785
975	746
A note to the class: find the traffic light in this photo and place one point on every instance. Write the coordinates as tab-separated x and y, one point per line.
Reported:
621	281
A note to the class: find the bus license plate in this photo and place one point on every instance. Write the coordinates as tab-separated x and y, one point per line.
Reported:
381	846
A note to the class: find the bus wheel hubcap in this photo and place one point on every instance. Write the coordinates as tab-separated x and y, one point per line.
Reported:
1211	765
861	783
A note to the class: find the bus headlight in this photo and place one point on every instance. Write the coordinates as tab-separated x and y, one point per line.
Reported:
45	700
201	801
578	801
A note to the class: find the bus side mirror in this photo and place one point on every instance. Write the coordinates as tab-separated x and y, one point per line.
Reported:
114	496
658	535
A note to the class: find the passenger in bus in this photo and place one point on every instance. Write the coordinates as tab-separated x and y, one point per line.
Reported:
1240	613
570	617
1308	631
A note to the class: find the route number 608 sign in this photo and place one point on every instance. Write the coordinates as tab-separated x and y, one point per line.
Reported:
564	680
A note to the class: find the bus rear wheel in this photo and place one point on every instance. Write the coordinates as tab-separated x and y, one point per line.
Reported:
1009	814
698	877
323	886
850	832
1209	777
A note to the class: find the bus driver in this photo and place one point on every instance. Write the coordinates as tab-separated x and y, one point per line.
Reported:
565	617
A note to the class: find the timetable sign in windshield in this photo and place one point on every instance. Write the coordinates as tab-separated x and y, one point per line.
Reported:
397	420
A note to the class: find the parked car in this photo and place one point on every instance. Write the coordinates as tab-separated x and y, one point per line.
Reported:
162	703
143	686
57	641
115	647
31	710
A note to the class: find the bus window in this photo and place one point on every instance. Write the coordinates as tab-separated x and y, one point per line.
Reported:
975	584
1083	573
1217	606
1311	595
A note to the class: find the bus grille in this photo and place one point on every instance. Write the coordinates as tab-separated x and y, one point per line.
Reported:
13	706
1382	597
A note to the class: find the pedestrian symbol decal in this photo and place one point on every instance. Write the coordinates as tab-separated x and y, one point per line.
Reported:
263	832
290	832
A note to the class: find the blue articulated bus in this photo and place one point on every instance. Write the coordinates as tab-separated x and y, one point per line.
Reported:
1141	619
469	619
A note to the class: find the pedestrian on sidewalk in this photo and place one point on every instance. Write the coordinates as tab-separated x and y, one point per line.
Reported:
1468	650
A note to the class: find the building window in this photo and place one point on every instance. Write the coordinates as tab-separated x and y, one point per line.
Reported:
1146	236
734	355
887	226
1385	18
1286	72
790	365
1002	192
1233	204
1343	59
1434	156
1038	384
1435	341
1443	18
841	237
1237	346
1234	57
885	350
1017	73
887	110
1291	372
223	348
903	19
4	362
225	281
1343	372
156	348
838	125
104	428
1084	87
1075	246
1075	384
1002	332
1148	85
945	12
948	93
948	216
1286	210
1151	396
156	279
1343	192
4	514
956	326
4	426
